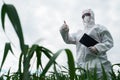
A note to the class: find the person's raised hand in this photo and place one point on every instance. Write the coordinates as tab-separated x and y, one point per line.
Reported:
65	26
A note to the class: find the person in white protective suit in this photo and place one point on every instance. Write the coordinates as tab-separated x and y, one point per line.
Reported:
89	57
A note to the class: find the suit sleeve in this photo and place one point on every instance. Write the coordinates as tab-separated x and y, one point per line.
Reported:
106	41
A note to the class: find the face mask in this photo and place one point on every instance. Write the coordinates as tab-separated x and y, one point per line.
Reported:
86	19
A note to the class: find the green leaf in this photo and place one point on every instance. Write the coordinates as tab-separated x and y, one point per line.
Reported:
8	75
71	64
10	10
7	48
39	51
23	54
31	52
3	12
20	62
104	73
56	72
51	61
38	55
116	64
46	52
113	75
95	73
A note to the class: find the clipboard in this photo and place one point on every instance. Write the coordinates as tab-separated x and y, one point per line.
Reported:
87	40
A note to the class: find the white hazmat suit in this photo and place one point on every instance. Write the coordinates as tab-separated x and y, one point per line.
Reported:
85	57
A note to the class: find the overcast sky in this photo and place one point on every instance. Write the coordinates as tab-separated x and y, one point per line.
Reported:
42	19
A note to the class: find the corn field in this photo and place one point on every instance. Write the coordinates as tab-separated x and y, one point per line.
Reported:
27	53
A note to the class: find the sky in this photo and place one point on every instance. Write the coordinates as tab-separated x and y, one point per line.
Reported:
42	19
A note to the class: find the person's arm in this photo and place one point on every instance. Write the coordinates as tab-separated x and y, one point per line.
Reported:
69	39
106	41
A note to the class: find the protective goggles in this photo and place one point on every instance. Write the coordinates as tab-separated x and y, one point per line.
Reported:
86	14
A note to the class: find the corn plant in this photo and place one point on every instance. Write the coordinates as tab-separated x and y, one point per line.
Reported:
28	52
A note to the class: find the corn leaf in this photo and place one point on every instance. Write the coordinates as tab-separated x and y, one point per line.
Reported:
71	64
38	56
23	54
6	50
51	61
104	77
95	73
46	52
115	65
31	52
8	75
10	10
